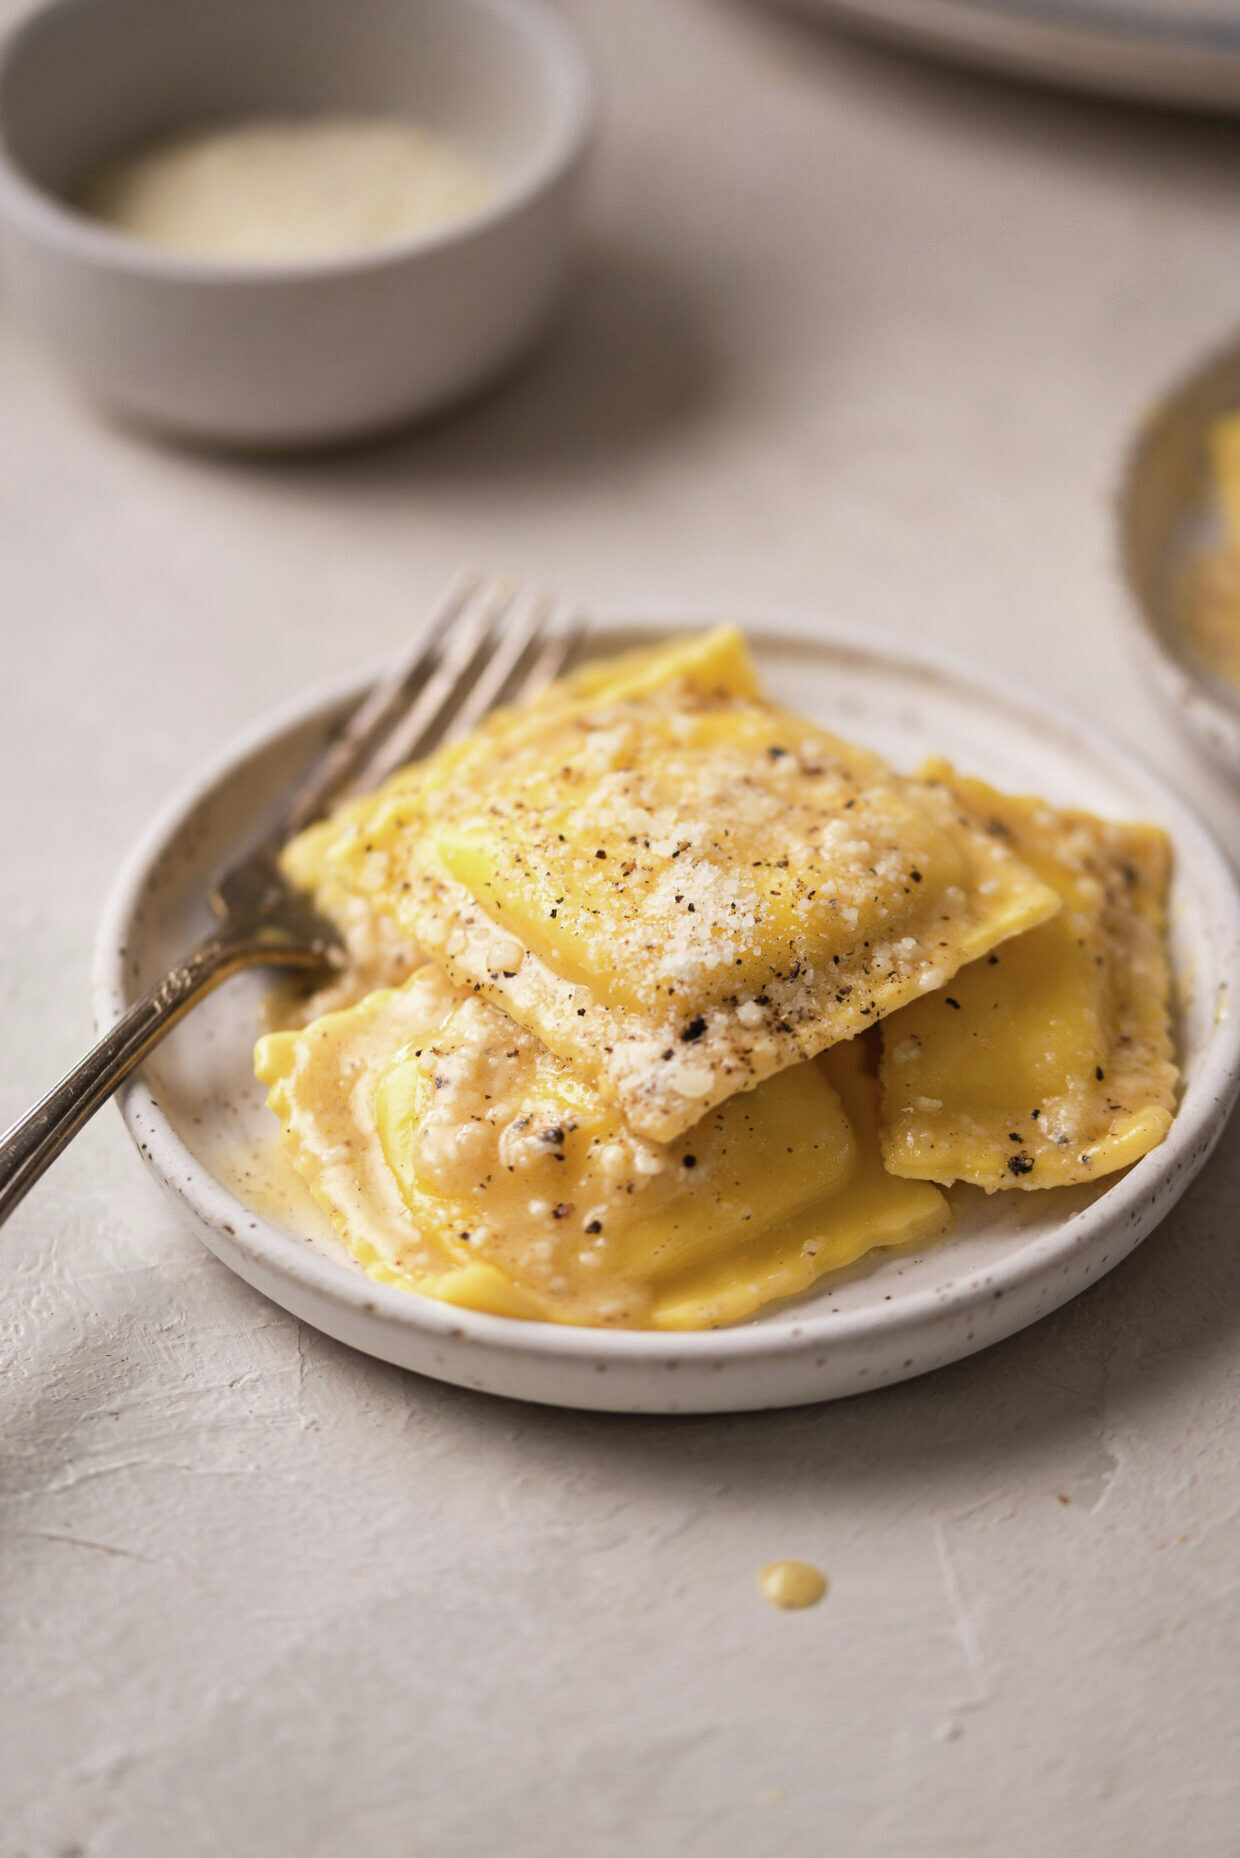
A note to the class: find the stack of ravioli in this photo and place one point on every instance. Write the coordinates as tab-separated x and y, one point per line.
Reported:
666	1002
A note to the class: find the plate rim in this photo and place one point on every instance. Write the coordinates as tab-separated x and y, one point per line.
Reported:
273	1252
1146	59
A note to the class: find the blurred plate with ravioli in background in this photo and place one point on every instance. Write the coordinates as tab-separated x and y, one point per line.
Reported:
1179	541
1159	53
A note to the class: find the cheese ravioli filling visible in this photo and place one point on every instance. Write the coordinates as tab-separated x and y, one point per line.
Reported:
1050	1062
457	1156
679	887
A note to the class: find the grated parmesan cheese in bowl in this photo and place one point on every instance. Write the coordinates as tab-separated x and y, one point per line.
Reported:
285	189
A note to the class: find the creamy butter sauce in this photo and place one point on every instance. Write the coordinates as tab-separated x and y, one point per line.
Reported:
264	1179
791	1584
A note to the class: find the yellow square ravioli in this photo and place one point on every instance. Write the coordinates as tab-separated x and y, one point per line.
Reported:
872	1211
457	1156
1050	1062
332	858
678	886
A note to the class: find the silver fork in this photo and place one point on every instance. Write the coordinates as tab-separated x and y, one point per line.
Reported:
485	645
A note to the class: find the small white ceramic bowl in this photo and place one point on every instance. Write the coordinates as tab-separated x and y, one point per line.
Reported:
317	351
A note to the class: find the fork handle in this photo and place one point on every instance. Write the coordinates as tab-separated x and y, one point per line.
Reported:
33	1143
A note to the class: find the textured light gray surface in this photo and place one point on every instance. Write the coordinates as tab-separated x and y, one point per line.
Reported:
851	333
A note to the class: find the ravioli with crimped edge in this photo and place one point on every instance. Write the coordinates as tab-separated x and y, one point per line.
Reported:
664	1003
1050	1062
456	1155
676	885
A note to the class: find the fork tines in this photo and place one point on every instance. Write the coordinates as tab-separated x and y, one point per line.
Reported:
486	644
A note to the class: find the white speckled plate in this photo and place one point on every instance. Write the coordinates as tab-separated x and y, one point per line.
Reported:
200	1121
1168	518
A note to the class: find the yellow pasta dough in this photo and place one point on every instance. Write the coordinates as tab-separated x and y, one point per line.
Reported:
679	887
454	1154
458	1156
1224	448
1209	595
622	965
1049	1062
872	1211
